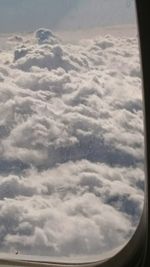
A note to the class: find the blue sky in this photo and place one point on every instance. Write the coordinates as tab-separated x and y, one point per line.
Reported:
27	15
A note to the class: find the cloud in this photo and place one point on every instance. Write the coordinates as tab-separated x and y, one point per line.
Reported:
45	36
69	209
15	38
71	145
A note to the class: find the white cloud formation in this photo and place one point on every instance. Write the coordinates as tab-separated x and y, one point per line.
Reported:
71	145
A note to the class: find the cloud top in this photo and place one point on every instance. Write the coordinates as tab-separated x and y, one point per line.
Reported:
72	149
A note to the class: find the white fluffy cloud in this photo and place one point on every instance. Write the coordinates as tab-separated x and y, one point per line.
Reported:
71	143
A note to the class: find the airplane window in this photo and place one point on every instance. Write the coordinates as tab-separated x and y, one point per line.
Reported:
71	128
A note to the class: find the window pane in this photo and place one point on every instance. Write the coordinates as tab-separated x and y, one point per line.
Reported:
71	128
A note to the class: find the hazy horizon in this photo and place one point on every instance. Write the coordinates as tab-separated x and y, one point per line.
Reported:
20	15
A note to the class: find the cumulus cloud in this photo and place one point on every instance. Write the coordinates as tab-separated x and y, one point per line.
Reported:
45	36
16	38
71	145
70	209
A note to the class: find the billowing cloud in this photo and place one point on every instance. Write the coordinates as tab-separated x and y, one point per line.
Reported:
72	150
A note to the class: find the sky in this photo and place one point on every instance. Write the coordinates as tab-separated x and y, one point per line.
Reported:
27	15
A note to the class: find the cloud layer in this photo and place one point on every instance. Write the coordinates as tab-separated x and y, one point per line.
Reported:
71	145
